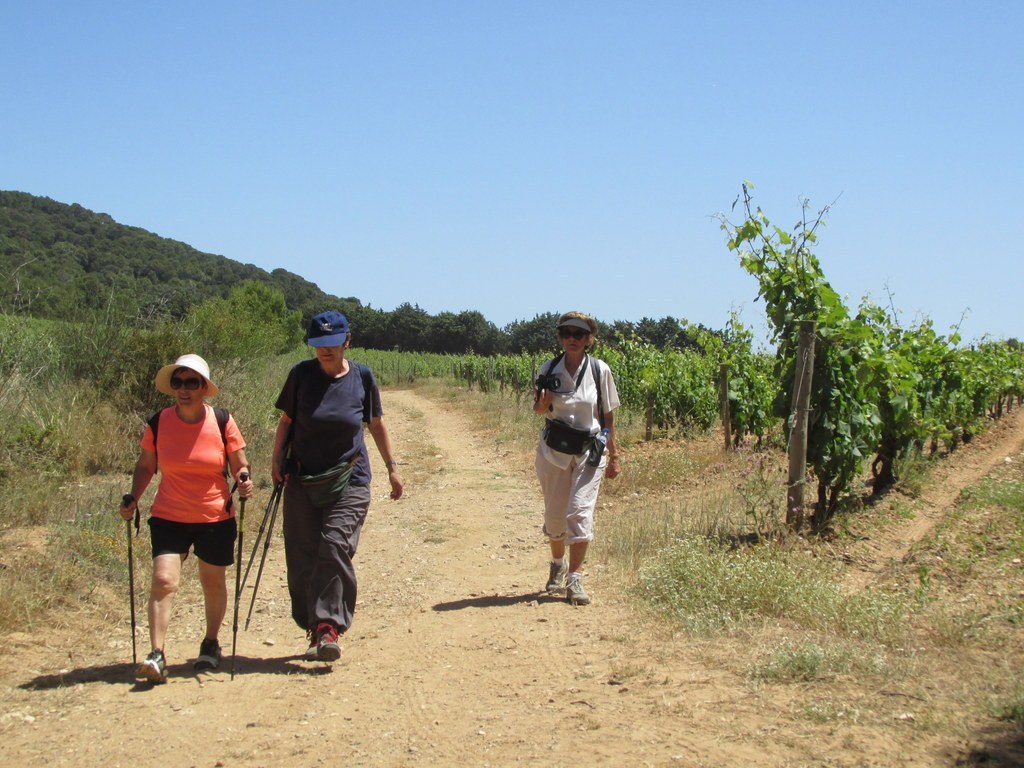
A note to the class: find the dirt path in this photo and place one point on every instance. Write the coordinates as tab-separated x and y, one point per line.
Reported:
454	658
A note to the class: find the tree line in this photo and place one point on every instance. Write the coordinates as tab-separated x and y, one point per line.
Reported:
61	261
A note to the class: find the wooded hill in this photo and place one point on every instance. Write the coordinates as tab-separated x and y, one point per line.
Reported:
63	261
60	261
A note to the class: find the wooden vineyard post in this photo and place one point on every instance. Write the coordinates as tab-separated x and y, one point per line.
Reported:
649	428
723	394
798	421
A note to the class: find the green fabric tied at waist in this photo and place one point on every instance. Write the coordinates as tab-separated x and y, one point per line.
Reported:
325	488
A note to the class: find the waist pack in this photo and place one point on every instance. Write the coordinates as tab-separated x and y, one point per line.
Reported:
325	488
564	439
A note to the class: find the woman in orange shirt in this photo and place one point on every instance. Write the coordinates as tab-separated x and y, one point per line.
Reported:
192	508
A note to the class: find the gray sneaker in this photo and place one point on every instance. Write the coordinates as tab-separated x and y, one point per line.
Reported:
556	578
574	591
327	648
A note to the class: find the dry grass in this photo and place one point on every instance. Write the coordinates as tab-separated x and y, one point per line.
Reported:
49	571
939	636
65	461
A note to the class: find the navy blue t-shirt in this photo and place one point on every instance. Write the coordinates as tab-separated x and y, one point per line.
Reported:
327	416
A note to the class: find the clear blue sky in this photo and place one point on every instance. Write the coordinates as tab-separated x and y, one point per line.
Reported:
522	157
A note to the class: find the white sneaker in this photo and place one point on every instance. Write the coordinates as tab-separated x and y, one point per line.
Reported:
574	592
153	669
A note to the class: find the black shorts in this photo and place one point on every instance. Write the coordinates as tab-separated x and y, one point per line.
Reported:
214	543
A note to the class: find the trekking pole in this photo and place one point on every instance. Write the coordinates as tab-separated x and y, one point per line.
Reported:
266	546
125	501
238	573
259	536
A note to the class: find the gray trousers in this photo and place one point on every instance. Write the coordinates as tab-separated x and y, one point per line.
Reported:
319	545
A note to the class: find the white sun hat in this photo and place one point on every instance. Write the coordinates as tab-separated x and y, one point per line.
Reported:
193	363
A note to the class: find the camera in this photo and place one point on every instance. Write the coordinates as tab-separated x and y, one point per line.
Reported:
548	382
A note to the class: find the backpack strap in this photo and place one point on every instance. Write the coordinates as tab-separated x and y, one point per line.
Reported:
553	362
154	425
579	377
595	369
221	414
364	374
367	377
222	424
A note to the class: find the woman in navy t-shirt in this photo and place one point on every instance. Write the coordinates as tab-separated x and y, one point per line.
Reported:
320	456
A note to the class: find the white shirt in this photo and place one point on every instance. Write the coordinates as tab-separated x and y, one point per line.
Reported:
575	405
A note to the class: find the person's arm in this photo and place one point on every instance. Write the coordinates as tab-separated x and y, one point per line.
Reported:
614	468
284	427
383	441
145	468
542	398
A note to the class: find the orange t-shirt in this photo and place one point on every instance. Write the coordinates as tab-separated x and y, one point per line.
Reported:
191	460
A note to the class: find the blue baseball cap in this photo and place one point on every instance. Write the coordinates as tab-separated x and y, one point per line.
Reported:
327	329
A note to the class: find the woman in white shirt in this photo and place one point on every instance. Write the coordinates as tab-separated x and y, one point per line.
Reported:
576	394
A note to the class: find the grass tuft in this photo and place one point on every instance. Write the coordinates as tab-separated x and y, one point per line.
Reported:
705	586
1012	708
809	661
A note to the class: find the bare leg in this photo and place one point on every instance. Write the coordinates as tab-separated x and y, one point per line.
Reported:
577	554
557	548
215	596
166	579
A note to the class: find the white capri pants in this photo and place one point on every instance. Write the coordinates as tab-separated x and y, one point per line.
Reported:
570	496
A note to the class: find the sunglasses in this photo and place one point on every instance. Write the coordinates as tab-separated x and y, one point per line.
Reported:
189	384
572	333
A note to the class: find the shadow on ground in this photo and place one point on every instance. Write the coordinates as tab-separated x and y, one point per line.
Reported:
998	747
122	674
498	601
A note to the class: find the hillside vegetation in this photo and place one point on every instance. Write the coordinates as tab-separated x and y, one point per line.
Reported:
60	261
66	262
915	591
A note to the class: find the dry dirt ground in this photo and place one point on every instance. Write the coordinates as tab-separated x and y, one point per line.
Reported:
455	658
